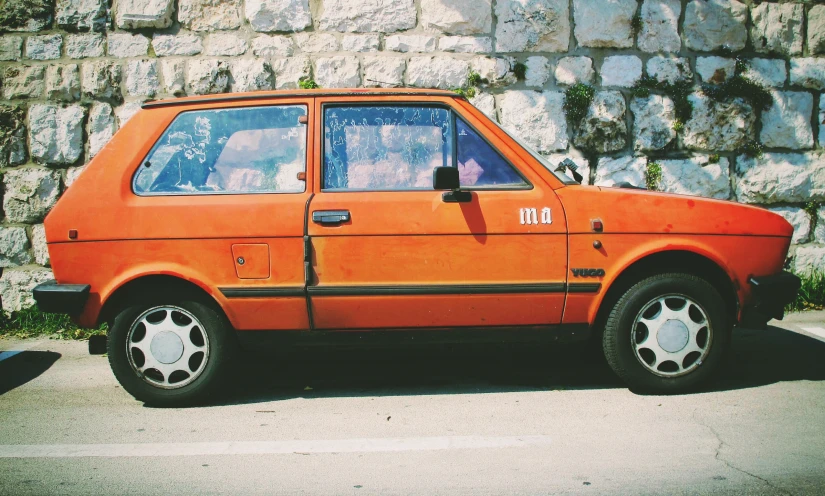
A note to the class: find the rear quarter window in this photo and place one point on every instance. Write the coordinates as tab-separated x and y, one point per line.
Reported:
229	151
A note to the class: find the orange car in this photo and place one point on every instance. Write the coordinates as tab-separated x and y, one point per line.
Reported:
209	224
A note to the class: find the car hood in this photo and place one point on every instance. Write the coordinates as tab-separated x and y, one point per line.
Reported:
639	211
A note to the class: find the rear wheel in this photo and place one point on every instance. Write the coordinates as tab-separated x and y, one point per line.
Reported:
667	333
169	351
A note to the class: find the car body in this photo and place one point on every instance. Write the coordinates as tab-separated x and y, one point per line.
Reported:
347	233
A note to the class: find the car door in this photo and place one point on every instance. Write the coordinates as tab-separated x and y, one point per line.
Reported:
389	252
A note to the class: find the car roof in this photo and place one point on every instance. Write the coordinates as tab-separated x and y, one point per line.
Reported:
262	95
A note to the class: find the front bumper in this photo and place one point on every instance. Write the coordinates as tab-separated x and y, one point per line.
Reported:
52	297
770	295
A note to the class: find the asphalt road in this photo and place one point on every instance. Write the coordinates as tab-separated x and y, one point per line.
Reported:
480	419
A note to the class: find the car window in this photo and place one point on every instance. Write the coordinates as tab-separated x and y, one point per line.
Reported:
248	150
385	147
479	165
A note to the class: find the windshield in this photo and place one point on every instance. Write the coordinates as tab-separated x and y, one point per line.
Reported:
542	160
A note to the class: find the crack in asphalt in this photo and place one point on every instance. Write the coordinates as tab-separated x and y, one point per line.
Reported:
718	457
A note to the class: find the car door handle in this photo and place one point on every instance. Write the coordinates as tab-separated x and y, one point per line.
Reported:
330	217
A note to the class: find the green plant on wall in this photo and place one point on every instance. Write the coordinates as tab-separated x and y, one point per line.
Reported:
520	71
653	175
308	84
678	91
740	86
752	148
577	100
473	80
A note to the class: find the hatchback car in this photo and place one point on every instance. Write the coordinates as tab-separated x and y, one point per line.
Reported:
212	224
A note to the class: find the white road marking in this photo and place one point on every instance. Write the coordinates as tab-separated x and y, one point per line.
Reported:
8	354
267	447
816	331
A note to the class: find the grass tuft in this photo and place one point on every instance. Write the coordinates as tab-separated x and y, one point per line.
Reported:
653	175
811	295
32	322
577	100
308	84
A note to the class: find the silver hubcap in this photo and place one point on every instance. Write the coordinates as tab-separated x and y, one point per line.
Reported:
671	335
167	347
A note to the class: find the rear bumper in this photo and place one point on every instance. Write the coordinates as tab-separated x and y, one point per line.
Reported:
770	295
52	297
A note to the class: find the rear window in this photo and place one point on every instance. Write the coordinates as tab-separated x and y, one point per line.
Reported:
230	151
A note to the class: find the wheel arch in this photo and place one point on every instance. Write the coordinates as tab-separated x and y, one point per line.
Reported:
681	260
152	282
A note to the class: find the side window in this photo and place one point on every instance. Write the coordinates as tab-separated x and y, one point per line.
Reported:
245	150
479	165
385	147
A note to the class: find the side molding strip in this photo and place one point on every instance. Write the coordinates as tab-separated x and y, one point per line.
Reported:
436	289
297	291
584	287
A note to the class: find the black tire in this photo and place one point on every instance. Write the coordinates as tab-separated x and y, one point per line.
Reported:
617	338
221	346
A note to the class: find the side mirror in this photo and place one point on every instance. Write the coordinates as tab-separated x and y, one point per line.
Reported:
446	178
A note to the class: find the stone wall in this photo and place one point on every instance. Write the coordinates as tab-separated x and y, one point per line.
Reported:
73	71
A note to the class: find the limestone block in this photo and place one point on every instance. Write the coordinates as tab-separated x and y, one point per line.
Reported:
621	70
718	126
532	25
669	69
251	75
611	171
536	117
808	72
101	79
767	72
437	72
81	46
410	43
360	42
604	23
367	16
23	81
660	26
12	135
56	133
715	70
16	287
166	45
603	128
799	219
337	72
457	16
787	123
123	45
696	176
777	28
209	15
142	78
46	47
538	71
81	15
654	117
101	127
228	44
713	24
29	194
135	14
572	70
384	72
465	44
781	177
63	82
207	76
272	46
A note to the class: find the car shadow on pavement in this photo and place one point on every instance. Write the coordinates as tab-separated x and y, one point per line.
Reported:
24	367
757	358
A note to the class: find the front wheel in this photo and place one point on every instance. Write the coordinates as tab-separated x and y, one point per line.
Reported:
667	334
169	351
